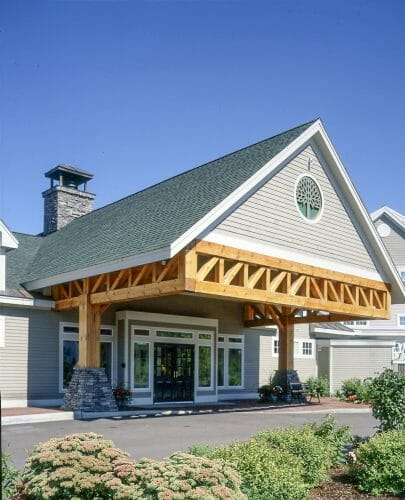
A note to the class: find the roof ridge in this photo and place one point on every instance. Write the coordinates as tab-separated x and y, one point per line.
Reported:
184	173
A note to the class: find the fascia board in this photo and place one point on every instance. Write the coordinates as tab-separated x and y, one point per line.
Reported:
116	265
7	238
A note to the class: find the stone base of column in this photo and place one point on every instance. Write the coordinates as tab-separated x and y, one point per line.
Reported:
89	390
284	378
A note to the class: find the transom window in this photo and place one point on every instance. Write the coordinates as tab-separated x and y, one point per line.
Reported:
308	197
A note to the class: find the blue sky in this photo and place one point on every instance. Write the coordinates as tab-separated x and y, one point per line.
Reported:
137	91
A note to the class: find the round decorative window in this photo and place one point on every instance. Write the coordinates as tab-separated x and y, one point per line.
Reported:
308	197
384	230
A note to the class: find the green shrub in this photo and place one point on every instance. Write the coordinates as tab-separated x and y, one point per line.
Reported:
9	476
336	438
387	397
310	450
355	390
319	385
378	465
267	474
86	466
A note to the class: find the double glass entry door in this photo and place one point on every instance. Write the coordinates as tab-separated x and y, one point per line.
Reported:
174	372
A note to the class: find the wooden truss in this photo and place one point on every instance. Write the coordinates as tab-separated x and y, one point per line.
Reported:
148	280
267	281
263	283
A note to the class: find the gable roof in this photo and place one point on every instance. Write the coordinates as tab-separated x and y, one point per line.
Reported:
154	218
156	223
19	261
394	216
7	239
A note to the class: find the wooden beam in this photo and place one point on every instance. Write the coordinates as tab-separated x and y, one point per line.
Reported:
266	297
275	317
207	247
286	345
89	333
168	287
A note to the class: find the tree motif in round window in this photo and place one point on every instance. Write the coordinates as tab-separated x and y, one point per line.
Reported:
308	197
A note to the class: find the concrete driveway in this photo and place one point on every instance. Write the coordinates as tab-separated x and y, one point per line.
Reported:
158	437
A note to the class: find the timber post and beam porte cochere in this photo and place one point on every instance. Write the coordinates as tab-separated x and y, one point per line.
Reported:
275	292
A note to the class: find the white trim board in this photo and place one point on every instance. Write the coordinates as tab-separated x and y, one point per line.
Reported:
26	302
114	265
223	238
7	238
166	318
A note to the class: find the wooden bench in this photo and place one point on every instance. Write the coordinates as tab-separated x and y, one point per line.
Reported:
301	392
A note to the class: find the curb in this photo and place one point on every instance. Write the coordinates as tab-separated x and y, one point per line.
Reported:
36	418
171	413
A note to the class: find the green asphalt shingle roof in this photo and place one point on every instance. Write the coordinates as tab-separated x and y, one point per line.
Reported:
19	261
153	218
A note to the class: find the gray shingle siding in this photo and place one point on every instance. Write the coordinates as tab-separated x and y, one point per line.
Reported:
270	216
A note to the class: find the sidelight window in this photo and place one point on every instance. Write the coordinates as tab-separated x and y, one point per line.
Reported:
141	365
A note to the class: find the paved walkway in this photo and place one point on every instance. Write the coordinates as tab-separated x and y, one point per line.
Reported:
159	437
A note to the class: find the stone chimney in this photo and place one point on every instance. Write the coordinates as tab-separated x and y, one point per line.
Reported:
64	201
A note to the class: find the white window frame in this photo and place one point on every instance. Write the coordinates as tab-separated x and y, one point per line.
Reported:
138	339
300	342
152	338
399	316
75	336
356	324
226	345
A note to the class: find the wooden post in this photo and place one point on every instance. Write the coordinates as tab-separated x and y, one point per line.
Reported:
89	331
286	344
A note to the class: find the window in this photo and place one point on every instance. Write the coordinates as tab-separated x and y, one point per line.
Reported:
230	361
141	365
401	321
69	352
175	335
402	274
302	348
221	367
70	358
140	333
204	366
307	348
234	367
308	197
204	336
359	323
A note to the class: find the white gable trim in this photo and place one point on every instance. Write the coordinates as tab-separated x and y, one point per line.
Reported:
7	238
391	214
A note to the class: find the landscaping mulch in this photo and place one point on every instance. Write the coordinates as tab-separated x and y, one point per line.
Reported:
339	487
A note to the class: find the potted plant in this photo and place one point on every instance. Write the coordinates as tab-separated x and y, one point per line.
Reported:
122	396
